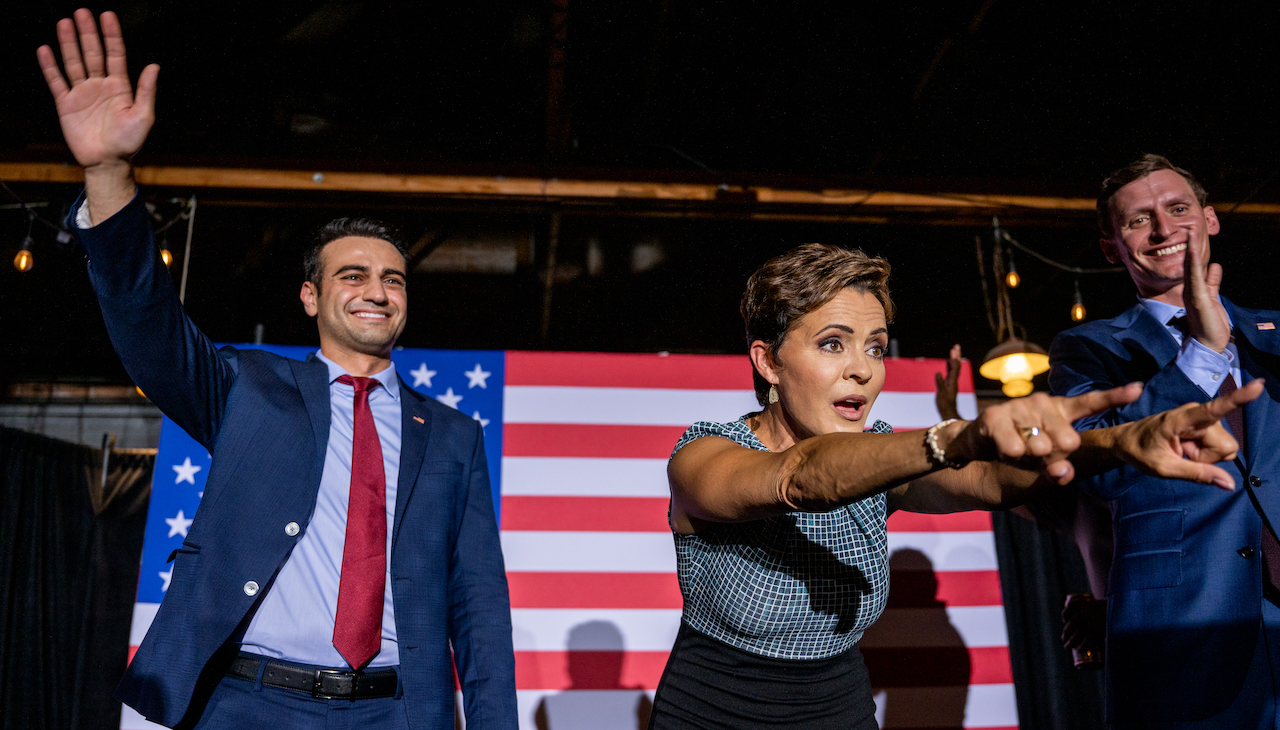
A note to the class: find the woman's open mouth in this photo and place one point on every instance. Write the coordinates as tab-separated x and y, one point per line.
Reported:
851	407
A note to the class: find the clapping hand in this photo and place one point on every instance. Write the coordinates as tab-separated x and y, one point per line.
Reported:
1206	317
948	387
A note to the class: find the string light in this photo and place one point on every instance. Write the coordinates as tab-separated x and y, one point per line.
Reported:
1077	309
24	260
1011	279
165	254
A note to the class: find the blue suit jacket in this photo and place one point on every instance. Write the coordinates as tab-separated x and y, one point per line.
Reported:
265	420
1184	605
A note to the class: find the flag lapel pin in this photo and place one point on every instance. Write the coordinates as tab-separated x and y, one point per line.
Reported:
1266	325
419	419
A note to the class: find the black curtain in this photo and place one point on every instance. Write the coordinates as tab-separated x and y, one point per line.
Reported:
1038	568
69	547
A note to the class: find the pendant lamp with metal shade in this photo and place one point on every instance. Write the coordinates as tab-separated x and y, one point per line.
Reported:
1014	363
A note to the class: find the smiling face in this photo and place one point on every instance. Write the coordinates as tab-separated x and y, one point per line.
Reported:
830	367
361	304
1155	218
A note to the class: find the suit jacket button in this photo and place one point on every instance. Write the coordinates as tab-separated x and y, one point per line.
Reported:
291	529
1246	552
1255	481
251	588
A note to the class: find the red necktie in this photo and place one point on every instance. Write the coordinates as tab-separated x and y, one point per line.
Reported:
357	629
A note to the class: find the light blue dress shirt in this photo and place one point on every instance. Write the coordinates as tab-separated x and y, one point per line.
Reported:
1201	365
296	618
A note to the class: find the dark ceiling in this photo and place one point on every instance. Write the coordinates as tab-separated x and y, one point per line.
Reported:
992	96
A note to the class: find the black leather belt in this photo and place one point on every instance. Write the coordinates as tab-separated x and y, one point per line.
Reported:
324	684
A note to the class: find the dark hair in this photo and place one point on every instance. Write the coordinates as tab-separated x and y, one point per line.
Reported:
789	286
1137	170
312	263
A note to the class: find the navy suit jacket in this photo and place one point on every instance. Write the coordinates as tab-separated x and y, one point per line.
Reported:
265	420
1185	601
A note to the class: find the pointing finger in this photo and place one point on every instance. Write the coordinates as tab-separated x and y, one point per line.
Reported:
1218	408
1087	404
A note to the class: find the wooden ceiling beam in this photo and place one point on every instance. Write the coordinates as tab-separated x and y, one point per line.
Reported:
529	189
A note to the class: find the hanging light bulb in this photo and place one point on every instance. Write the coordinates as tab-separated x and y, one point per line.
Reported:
1011	279
24	260
166	256
1077	309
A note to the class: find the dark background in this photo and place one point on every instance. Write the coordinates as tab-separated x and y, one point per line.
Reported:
972	97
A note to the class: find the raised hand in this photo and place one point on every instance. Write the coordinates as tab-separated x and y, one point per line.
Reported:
1206	317
102	120
948	387
1186	442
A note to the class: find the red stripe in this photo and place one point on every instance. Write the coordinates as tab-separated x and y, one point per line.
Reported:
916	588
589	669
956	522
594	590
624	370
942	666
585	514
589	441
915	375
132	650
891	668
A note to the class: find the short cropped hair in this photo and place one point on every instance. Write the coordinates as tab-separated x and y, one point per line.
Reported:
312	261
791	285
1137	170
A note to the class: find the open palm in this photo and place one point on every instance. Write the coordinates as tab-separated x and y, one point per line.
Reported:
102	121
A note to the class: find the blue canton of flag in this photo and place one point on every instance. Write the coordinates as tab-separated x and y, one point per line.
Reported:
469	381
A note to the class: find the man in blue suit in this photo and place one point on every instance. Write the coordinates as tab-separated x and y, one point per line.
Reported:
1193	631
345	555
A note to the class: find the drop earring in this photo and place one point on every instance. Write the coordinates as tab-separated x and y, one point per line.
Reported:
773	394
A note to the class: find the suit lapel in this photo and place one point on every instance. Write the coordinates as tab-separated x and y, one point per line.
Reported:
313	383
415	428
1140	331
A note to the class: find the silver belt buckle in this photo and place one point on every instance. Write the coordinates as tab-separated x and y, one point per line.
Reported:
321	692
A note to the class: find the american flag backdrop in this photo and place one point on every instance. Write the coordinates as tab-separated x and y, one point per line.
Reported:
577	446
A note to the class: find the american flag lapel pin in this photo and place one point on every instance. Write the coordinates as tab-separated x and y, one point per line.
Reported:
1266	325
419	419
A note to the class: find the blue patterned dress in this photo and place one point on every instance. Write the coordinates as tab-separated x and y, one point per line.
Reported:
792	595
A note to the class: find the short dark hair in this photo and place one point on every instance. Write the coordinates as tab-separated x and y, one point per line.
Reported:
791	285
312	263
1137	170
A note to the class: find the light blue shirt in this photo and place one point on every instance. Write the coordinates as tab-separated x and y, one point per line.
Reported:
296	618
1201	365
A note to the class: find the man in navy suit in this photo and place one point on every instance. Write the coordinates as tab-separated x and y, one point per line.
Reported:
345	555
1193	632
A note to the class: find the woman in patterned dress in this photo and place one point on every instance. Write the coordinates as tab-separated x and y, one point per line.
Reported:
779	517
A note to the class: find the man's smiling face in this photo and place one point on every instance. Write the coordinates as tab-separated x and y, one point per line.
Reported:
361	304
1155	218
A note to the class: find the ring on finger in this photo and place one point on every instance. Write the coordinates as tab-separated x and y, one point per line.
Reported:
1029	431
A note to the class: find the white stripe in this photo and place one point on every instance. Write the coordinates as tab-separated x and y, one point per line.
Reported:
590	552
982	705
947	550
567	477
640	629
917	410
143	615
130	719
591	709
985	705
594	629
654	552
972	626
623	406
